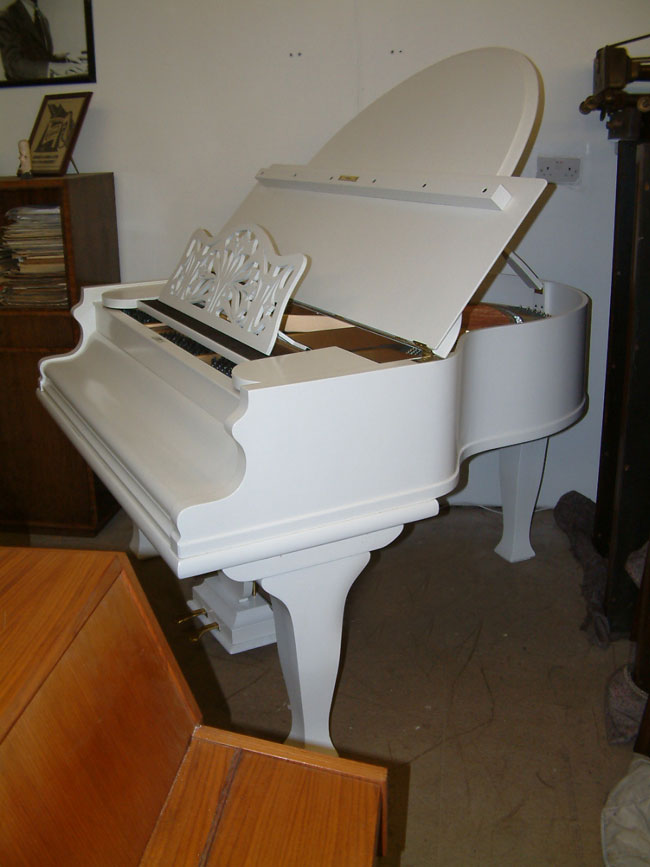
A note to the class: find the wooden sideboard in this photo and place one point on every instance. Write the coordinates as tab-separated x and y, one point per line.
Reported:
104	761
44	483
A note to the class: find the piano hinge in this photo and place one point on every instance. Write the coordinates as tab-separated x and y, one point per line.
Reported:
427	353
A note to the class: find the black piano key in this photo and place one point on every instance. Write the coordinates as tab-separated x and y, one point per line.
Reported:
223	365
186	343
140	316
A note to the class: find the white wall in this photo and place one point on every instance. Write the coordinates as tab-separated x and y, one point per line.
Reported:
192	98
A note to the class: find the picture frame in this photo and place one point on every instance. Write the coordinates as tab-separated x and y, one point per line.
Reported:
56	131
58	47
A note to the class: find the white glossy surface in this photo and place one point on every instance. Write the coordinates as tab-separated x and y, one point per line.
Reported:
472	112
378	442
308	590
245	619
432	188
213	471
401	267
522	466
235	282
245	496
314	416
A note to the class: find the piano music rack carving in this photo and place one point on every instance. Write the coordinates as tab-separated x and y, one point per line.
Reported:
235	282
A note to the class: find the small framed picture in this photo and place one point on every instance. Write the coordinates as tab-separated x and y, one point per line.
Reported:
55	131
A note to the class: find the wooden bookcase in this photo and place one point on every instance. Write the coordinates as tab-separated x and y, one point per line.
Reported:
45	485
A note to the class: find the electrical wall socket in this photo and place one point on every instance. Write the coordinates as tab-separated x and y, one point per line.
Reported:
559	170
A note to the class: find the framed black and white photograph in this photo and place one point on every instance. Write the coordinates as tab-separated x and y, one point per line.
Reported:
46	41
55	132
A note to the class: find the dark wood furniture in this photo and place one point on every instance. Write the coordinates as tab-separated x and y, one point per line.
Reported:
44	483
103	760
641	669
622	521
622	517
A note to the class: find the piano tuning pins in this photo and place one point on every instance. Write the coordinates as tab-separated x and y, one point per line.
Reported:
191	615
207	628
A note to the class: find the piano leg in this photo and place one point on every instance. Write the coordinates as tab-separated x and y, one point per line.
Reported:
140	546
521	469
308	608
308	599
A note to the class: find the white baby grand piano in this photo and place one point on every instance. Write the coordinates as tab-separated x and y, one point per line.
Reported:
285	445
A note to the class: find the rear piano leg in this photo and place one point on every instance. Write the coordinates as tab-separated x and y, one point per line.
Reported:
308	599
521	469
140	546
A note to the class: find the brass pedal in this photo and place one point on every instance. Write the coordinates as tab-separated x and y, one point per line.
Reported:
207	628
191	615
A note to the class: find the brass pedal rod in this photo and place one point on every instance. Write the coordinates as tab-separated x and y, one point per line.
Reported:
207	628
191	615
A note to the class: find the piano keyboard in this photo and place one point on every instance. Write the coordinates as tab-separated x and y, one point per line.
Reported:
219	362
378	347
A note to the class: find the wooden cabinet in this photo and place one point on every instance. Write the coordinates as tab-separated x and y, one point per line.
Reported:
44	483
103	760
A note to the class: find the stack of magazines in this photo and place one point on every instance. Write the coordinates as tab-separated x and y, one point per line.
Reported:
32	262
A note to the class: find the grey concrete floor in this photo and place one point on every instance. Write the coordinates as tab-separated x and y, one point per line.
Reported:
467	676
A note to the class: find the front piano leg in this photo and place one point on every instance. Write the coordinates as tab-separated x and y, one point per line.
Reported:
522	468
308	599
308	608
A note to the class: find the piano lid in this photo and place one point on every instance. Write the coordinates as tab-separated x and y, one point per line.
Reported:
405	210
472	112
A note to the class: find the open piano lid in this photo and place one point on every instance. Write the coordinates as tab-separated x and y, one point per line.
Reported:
404	211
